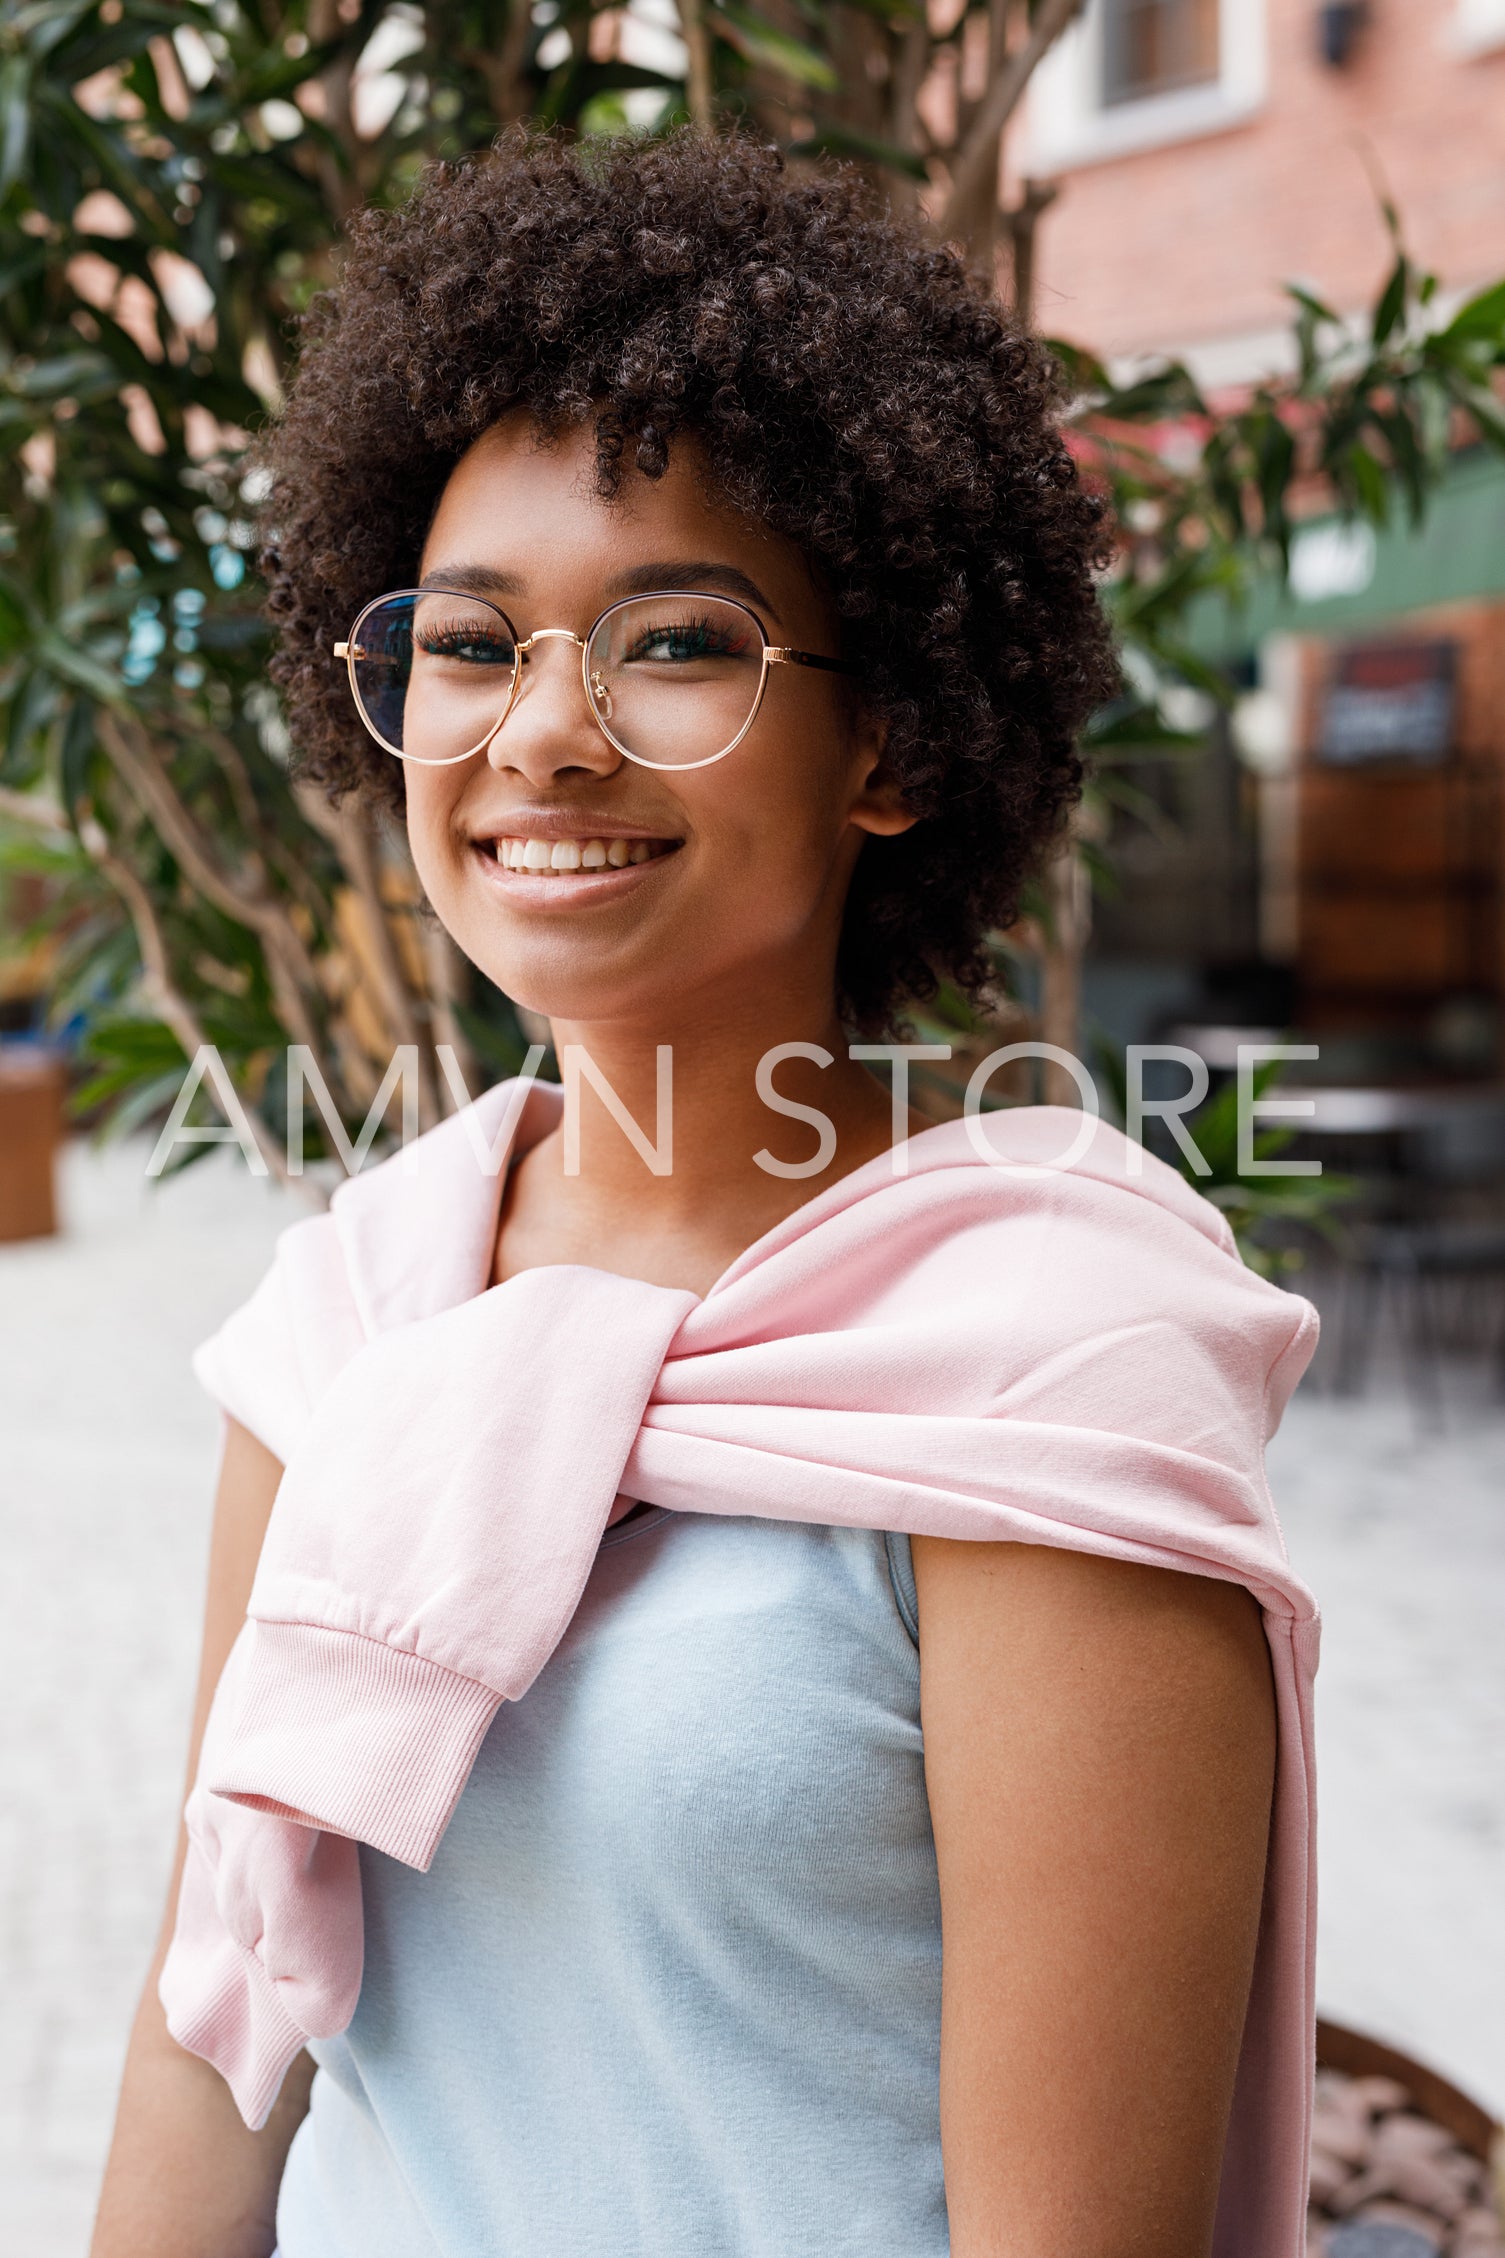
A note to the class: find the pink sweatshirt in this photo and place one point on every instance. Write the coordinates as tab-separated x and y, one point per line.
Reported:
1069	1357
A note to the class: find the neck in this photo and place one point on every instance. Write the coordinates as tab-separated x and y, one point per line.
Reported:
586	1185
713	1121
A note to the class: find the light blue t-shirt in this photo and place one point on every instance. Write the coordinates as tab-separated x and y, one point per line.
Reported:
672	1987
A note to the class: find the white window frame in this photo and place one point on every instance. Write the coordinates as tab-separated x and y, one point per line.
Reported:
1478	27
1069	125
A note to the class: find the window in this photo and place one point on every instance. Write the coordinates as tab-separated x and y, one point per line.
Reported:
1135	74
1152	46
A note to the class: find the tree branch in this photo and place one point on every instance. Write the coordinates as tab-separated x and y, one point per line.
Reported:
1068	894
28	808
441	961
290	968
349	833
911	62
157	981
503	71
976	161
699	92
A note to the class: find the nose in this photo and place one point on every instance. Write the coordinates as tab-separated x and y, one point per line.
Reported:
551	730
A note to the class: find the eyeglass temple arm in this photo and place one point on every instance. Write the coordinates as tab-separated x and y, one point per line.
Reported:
777	654
780	655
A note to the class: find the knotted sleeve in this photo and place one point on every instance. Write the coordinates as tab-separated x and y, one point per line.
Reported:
445	1489
272	1357
430	1541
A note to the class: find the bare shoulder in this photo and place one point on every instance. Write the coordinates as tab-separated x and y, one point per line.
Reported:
1107	1662
1057	1595
1099	1758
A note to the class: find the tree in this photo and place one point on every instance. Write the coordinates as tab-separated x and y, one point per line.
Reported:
173	175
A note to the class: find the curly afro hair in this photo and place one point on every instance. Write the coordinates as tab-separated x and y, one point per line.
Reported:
850	384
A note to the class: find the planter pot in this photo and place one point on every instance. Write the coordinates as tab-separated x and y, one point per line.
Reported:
1404	2165
31	1129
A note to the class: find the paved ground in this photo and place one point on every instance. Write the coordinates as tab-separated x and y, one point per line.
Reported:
107	1460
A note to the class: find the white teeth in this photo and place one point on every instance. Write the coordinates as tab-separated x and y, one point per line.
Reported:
545	856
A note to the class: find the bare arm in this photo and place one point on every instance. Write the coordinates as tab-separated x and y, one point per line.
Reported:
185	2178
1099	1754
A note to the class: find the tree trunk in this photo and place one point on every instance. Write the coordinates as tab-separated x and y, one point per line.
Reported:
1068	894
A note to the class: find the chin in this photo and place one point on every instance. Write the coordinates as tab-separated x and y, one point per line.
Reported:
561	982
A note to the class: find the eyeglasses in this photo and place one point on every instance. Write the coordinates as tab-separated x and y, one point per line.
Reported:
674	679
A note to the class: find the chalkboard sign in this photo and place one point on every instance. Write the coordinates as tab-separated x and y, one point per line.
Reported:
1389	702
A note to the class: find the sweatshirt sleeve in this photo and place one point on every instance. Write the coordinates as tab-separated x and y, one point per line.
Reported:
429	1543
272	1357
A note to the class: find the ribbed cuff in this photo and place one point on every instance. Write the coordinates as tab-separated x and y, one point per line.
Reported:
342	1732
221	2004
232	2017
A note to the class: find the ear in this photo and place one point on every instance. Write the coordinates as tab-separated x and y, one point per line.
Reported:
878	803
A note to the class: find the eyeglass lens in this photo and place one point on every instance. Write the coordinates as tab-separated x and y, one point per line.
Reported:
673	680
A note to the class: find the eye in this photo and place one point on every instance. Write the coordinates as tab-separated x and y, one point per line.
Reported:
677	641
467	642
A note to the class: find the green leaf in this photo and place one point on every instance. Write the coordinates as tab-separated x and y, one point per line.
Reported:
761	42
79	668
1160	396
15	119
888	11
1085	373
30	707
1313	305
17	272
1481	319
830	140
1369	483
1392	301
1488	413
77	755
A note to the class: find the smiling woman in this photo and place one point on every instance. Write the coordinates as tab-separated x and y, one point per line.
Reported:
751	1730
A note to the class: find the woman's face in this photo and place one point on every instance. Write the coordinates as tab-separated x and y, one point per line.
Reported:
749	859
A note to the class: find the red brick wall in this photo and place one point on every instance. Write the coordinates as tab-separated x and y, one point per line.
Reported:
1190	243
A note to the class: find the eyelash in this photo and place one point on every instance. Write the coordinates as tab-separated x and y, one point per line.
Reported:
449	642
459	637
723	644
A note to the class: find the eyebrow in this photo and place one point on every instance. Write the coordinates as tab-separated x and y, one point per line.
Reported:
688	572
642	580
473	580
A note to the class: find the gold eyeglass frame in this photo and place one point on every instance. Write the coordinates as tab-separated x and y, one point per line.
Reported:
774	654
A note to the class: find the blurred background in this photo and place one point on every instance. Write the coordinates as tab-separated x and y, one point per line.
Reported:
1267	240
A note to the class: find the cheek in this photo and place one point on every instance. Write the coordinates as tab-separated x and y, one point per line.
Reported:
794	796
432	840
773	832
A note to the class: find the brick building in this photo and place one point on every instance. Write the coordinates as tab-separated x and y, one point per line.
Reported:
1336	860
1208	150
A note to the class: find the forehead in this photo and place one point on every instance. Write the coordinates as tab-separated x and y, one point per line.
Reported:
526	507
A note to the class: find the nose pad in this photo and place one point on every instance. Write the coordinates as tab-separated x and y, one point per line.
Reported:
550	725
601	694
